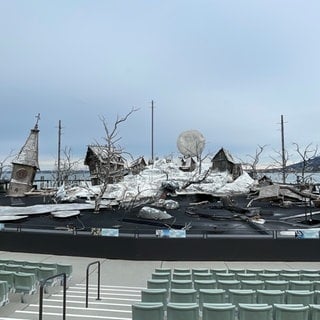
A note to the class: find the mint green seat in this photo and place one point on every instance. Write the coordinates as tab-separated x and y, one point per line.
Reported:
183	295
310	276
181	270
181	284
48	265
45	273
211	296
301	285
236	270
222	311
8	276
4	293
147	311
202	276
163	270
246	276
255	270
161	275
214	271
314	312
316	285
237	296
268	276
182	311
199	270
299	296
158	284
65	268
182	276
204	284
154	295
290	312
30	269
290	271
225	276
228	284
311	271
25	283
289	276
317	297
254	312
276	285
252	284
12	267
272	270
270	296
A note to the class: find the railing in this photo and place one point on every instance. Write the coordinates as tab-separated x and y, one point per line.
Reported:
87	281
64	294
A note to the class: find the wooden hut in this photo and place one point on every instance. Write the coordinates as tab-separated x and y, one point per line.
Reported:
98	158
138	165
223	161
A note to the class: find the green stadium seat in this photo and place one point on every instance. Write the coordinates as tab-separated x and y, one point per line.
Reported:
183	295
271	296
254	312
290	312
182	311
211	296
147	311
222	311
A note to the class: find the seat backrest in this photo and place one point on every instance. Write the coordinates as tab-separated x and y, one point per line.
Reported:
223	311
182	276
183	295
154	295
270	296
161	275
237	296
158	284
300	296
276	285
181	284
147	311
228	284
211	296
205	284
182	311
290	312
202	276
289	276
246	276
300	285
268	276
314	312
252	284
254	312
226	276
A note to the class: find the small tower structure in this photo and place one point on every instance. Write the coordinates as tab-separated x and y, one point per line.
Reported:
25	165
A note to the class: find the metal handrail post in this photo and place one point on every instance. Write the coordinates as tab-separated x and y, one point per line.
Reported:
87	281
42	284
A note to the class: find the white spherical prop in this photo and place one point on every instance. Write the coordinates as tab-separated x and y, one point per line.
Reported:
191	143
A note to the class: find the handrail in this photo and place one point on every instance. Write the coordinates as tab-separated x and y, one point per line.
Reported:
87	281
42	284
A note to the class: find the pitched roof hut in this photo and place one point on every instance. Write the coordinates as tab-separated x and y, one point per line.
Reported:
138	165
98	156
223	161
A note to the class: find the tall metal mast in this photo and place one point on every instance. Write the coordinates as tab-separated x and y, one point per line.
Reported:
283	152
59	153
152	112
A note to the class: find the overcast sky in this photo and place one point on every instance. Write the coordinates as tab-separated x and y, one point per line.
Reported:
228	68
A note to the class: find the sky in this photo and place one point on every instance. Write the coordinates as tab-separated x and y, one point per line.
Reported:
228	69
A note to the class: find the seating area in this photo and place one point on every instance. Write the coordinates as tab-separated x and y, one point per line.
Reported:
234	294
24	277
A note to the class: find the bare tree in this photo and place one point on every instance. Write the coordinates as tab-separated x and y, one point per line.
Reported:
112	153
68	167
281	161
306	154
255	159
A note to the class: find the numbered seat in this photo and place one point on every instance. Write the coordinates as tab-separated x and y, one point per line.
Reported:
254	311
147	311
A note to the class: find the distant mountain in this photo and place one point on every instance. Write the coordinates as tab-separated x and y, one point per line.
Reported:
312	165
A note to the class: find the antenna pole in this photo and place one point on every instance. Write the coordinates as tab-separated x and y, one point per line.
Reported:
59	152
283	152
152	113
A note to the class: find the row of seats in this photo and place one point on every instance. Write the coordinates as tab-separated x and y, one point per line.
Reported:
184	274
224	311
24	277
162	282
236	270
234	296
